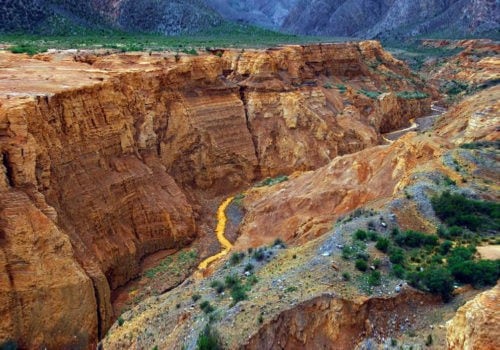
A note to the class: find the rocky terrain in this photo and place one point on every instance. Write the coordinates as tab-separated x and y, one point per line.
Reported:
388	20
117	157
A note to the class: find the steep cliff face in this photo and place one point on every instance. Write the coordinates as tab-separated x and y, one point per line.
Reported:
327	322
115	155
304	207
475	325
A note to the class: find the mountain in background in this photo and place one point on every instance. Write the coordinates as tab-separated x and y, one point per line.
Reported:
382	19
169	17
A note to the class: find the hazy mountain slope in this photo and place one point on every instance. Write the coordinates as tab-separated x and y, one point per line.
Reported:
392	18
367	18
62	16
269	14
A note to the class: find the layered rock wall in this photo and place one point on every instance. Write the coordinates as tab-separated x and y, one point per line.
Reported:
111	157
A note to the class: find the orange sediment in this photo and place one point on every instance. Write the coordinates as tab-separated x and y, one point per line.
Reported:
219	231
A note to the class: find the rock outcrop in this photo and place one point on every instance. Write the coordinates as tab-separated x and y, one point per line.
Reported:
475	325
112	156
305	206
329	322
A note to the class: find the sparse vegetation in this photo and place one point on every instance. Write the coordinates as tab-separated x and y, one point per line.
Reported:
120	320
206	307
374	278
360	235
272	181
218	286
382	244
196	297
361	265
412	95
208	339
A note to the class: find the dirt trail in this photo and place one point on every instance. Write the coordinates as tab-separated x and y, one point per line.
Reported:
219	230
418	124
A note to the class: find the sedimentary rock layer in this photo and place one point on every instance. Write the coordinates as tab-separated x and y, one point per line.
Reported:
104	159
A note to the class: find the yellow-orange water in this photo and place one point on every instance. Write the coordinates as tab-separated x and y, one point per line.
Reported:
219	231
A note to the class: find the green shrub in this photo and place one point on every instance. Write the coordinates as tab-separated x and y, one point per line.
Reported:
238	293
445	247
259	254
399	271
361	265
438	281
455	231
208	340
218	286
371	94
121	321
196	297
248	267
373	236
346	276
347	252
328	85
480	273
415	239
457	210
236	258
412	95
206	307
279	242
360	235
231	281
376	263
382	244
374	278
396	256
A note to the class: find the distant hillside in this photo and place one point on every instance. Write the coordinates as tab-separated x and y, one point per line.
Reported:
167	17
382	19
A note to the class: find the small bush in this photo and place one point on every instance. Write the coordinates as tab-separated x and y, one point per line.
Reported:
196	297
218	286
360	235
258	254
373	236
399	271
361	265
121	321
231	281
328	86
236	258
445	247
374	278
412	95
206	307
238	294
438	281
376	263
248	267
346	276
382	244
396	256
347	252
208	340
279	242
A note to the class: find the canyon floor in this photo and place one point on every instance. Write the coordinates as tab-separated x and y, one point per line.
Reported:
343	201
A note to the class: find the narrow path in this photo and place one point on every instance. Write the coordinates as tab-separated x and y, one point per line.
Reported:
419	124
219	230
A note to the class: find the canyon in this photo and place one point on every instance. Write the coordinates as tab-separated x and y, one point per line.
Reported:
110	158
116	155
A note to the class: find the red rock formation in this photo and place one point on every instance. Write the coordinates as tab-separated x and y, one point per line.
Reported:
475	325
305	206
112	154
329	322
